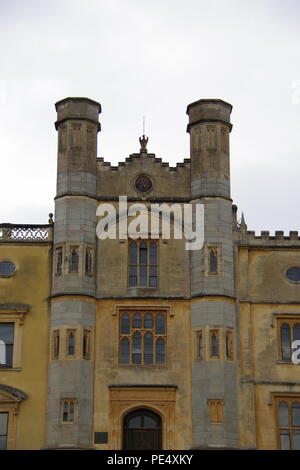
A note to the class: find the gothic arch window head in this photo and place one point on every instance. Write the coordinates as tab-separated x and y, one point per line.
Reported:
142	430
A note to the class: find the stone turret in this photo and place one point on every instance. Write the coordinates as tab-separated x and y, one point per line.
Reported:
213	316
70	393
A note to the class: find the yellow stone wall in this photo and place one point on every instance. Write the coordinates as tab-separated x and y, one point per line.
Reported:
173	406
30	286
264	293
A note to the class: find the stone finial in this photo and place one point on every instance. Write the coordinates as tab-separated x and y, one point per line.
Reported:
243	225
143	141
50	221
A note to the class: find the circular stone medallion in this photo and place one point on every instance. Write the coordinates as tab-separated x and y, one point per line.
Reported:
143	183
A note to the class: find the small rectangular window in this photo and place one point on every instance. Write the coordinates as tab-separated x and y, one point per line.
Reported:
216	411
229	344
214	343
89	261
3	430
69	410
199	346
74	259
6	344
71	339
143	263
56	344
59	260
86	344
212	261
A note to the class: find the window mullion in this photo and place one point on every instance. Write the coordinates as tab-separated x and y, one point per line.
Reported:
130	348
148	263
143	345
138	261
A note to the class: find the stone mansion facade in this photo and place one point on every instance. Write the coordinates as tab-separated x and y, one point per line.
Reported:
139	343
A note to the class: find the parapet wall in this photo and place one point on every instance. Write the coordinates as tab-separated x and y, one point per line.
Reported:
249	238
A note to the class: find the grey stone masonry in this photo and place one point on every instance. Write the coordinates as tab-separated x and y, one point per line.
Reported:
71	377
213	289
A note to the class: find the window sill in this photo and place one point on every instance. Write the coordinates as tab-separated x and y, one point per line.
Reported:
9	368
143	366
286	362
142	287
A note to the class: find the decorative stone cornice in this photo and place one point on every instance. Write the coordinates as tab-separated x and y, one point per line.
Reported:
14	392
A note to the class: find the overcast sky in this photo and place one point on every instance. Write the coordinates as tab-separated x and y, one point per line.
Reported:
153	57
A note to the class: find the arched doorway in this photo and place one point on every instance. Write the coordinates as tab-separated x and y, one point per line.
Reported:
142	430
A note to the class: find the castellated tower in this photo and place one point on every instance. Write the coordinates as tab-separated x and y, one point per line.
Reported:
213	309
70	386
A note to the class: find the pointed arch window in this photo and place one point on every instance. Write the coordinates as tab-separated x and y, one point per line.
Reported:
89	261
86	344
160	351
125	351
148	348
285	331
136	348
59	261
142	337
199	346
71	343
69	410
229	344
213	260
214	343
288	332
56	344
74	259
